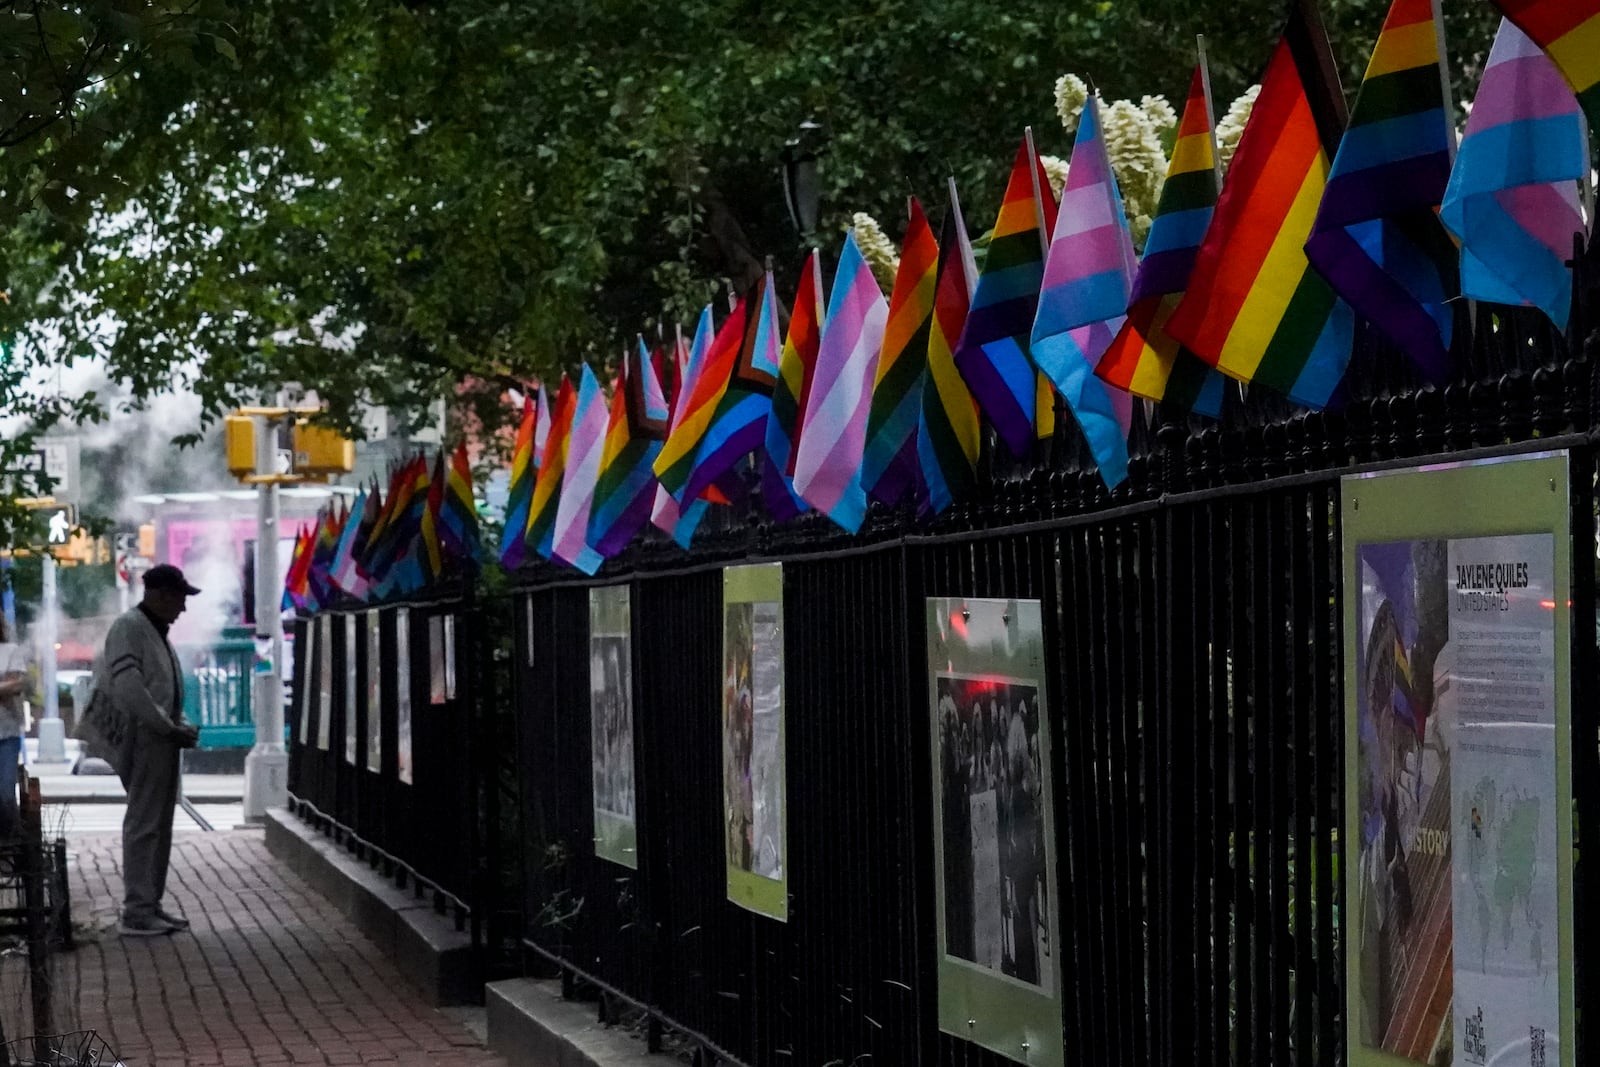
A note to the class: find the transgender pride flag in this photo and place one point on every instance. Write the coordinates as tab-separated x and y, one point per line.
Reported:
571	543
1513	196
1084	300
827	457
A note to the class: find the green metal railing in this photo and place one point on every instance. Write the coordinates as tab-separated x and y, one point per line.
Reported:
216	692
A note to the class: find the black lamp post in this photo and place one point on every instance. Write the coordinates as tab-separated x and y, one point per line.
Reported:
801	190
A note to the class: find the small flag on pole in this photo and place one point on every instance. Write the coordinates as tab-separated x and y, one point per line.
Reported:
520	496
947	431
992	354
795	366
889	467
626	487
1513	196
1084	298
1145	359
584	445
1254	308
552	467
666	514
1377	239
827	460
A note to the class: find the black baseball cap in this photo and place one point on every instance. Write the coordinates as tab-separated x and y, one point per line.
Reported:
166	576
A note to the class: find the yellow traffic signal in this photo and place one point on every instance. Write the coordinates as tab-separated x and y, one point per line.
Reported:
321	451
147	540
240	434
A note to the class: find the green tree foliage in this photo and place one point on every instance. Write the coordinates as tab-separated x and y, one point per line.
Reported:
378	198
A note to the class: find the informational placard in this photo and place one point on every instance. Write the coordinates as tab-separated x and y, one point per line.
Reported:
374	692
324	681
752	739
611	723
402	694
441	659
999	969
352	687
308	681
1458	765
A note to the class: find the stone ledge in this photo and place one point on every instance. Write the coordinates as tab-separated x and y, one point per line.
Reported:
531	1026
425	946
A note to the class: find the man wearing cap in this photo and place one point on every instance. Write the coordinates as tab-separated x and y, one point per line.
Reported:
137	713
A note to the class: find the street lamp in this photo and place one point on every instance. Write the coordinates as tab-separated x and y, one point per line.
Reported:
801	191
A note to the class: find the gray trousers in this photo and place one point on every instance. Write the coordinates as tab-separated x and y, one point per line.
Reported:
150	776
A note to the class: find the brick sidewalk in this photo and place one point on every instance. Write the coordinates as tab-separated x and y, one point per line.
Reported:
270	973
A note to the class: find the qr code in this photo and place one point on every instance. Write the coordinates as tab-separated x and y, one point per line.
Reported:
1535	1046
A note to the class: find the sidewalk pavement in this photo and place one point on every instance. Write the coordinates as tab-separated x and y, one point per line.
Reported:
58	784
270	974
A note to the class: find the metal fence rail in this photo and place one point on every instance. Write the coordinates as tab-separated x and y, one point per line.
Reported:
1193	660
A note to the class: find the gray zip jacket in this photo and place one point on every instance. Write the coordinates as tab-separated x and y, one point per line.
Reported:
137	684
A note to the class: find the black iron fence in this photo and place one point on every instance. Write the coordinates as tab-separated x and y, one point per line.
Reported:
1193	657
390	744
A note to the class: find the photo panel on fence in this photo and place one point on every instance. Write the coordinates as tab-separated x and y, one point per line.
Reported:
441	659
374	624
753	783
402	696
351	685
324	681
308	680
1458	765
611	724
999	969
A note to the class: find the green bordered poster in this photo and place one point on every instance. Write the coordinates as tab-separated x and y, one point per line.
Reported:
999	972
752	739
611	723
1458	821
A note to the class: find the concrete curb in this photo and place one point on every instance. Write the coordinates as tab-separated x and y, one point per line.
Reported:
531	1026
425	946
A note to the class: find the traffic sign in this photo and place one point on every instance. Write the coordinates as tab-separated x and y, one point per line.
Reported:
59	522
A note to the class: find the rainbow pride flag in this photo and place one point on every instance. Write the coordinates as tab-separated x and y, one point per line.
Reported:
458	517
738	424
889	467
1377	238
1569	33
520	494
626	487
1254	307
795	366
570	543
827	455
1513	196
552	468
433	547
992	354
1084	298
947	427
676	463
1145	359
666	513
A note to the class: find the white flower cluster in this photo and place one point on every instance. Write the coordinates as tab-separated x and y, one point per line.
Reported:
1055	168
1231	127
876	248
1133	141
1071	95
